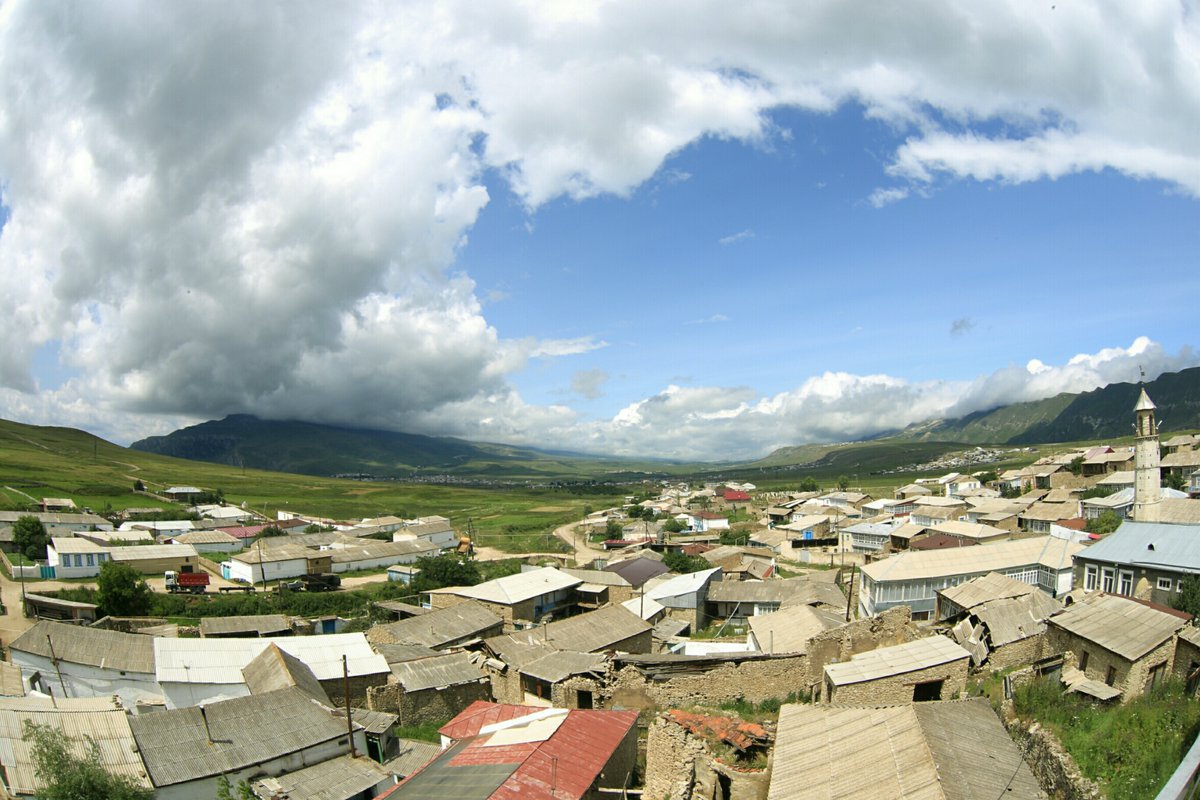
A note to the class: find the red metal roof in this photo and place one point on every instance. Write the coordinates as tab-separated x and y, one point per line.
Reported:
731	494
244	532
741	735
561	767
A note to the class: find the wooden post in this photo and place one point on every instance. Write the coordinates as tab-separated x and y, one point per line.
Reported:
346	692
54	661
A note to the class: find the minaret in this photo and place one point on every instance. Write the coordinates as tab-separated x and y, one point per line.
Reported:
1147	485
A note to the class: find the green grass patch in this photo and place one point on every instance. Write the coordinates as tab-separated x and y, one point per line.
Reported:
1129	750
425	732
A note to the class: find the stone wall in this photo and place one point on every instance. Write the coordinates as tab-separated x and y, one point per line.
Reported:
898	689
680	766
1051	764
1017	654
759	677
1130	677
1186	654
428	705
360	685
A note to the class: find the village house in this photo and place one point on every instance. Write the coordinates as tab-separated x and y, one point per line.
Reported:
255	626
521	600
1145	560
435	530
187	750
789	630
211	541
913	578
198	671
340	778
1126	643
531	753
999	620
263	562
934	668
931	751
442	628
739	600
434	688
868	537
684	597
100	719
57	522
356	554
74	661
75	557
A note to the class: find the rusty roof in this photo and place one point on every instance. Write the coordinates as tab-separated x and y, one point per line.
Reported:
742	735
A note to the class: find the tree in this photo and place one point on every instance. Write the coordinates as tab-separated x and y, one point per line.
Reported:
1174	480
1107	522
672	525
121	591
270	530
66	774
449	569
678	562
613	529
1188	599
809	484
29	537
843	482
138	486
1076	465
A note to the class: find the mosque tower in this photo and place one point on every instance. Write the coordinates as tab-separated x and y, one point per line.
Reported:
1147	486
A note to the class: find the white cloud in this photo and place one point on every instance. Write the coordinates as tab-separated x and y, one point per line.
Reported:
734	238
253	209
589	383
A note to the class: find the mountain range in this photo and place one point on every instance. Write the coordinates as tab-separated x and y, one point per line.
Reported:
314	449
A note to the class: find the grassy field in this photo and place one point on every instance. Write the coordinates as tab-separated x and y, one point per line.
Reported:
57	462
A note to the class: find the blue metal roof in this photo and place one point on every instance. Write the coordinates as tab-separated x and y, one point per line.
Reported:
1150	544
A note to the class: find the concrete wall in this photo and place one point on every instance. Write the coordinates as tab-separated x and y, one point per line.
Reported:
898	689
427	705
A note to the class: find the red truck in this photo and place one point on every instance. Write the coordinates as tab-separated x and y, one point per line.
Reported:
191	582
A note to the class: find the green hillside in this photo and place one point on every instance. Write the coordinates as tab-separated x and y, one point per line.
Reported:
313	449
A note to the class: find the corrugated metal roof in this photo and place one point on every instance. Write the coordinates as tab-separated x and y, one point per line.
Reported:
636	571
993	586
369	550
589	632
70	544
128	652
439	627
1118	624
559	666
398	653
1047	551
414	754
1014	618
256	625
895	660
273	669
563	766
951	750
370	721
101	719
141	552
681	585
222	660
1150	544
336	779
185	744
437	672
755	591
789	630
523	586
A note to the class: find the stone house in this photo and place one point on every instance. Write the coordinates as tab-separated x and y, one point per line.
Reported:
1126	643
440	628
521	600
999	620
1145	560
691	755
685	597
433	688
934	668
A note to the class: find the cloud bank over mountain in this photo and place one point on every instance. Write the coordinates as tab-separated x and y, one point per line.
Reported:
217	209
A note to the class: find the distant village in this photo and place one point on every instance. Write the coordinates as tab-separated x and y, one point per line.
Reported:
717	642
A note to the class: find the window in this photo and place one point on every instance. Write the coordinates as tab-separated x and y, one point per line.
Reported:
91	562
1090	577
1164	584
1107	579
1126	583
1083	661
1110	676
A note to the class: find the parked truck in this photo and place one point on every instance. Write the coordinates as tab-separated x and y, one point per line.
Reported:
321	581
191	582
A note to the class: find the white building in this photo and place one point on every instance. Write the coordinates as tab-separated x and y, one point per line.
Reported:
74	661
75	557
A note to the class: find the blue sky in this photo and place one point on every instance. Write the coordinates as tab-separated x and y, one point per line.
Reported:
680	229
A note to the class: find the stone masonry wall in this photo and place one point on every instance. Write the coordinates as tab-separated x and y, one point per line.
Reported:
1131	678
898	689
1017	654
360	685
428	705
680	766
1055	770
